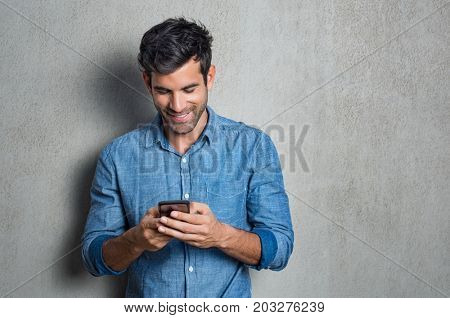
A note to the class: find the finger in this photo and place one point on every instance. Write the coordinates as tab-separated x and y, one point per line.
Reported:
150	224
188	218
180	225
199	208
162	236
153	212
177	234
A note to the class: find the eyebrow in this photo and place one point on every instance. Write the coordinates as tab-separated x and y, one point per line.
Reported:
161	88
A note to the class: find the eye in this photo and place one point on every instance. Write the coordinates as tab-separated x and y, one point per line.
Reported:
189	90
162	92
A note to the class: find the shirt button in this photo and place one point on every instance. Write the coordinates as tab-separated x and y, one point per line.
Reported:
184	160
191	269
186	195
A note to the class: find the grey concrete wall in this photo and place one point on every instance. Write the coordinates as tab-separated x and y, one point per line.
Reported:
354	93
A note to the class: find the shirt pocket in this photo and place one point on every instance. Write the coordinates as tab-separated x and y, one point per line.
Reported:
227	200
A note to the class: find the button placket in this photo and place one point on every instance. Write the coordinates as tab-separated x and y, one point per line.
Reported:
185	189
185	177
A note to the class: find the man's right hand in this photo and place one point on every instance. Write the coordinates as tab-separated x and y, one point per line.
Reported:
145	236
121	251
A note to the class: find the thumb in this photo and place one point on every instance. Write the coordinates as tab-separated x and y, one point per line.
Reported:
148	221
199	208
152	212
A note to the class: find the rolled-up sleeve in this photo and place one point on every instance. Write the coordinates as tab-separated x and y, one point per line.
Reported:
268	207
106	218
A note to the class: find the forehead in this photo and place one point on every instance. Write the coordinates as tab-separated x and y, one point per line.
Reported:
187	74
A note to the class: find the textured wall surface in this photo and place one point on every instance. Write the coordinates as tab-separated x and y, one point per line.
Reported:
354	93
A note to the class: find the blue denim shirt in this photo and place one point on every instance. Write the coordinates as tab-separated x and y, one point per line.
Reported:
232	167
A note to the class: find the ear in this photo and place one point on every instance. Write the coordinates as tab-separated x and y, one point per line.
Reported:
147	81
210	77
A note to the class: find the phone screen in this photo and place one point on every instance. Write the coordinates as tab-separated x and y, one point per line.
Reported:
165	207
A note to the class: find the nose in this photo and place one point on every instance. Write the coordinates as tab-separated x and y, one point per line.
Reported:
177	102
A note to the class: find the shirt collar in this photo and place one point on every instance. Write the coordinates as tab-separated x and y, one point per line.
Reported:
155	131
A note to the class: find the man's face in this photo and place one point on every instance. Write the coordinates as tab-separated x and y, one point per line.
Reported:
180	97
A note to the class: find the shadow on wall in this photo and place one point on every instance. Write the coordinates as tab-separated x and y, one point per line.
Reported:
126	104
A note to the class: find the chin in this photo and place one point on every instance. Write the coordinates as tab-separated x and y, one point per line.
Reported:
184	129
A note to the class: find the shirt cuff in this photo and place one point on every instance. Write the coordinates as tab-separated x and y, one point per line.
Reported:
96	256
269	248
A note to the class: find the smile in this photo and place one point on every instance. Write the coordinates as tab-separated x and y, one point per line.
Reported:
180	118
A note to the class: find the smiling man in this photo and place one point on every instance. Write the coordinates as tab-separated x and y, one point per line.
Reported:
180	98
239	213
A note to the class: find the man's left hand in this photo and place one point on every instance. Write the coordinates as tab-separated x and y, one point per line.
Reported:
200	228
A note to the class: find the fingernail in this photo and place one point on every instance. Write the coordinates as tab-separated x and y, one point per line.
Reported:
164	219
161	229
174	214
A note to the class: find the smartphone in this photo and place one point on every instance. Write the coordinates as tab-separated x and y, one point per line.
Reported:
165	207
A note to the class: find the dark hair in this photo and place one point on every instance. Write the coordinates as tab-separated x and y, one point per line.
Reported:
170	44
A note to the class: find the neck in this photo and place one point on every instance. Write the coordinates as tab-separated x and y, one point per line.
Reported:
182	142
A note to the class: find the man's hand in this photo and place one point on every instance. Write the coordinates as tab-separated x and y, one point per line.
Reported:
121	251
200	228
145	235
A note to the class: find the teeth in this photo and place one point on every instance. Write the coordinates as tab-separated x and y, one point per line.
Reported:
181	116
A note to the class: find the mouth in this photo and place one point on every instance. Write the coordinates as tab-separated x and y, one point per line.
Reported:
181	118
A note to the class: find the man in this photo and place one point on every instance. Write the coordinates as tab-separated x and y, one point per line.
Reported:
239	213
